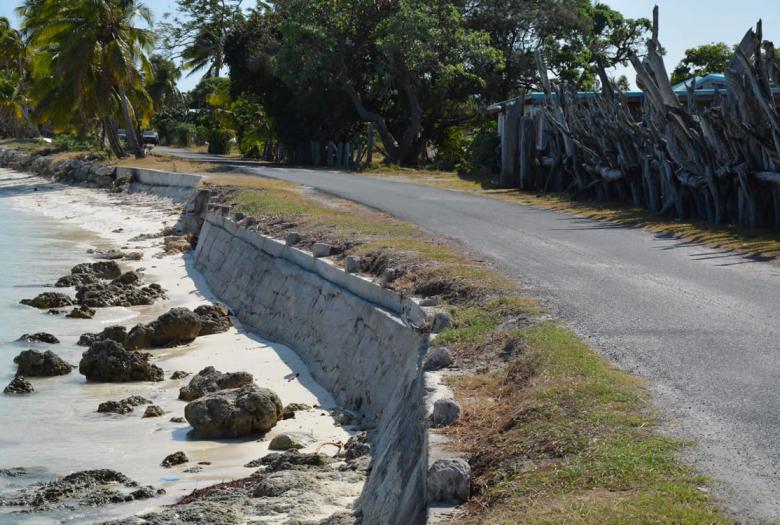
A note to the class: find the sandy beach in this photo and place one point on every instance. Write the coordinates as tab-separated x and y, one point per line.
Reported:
57	429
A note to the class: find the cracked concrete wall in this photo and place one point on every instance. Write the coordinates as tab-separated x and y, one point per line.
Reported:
368	356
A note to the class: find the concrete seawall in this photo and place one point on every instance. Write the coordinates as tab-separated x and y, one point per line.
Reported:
368	356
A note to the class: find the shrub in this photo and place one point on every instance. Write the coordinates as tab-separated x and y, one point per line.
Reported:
220	141
183	134
483	153
201	135
451	148
67	142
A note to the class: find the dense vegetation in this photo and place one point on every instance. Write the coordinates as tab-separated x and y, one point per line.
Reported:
284	79
299	71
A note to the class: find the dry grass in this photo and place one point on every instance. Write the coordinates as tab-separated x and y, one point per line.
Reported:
560	436
753	242
166	163
424	264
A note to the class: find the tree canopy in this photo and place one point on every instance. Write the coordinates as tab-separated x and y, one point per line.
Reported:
698	61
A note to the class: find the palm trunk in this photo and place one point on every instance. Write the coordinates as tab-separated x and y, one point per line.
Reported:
132	137
110	132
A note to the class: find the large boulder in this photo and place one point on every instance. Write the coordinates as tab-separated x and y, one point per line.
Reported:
234	413
177	326
48	300
211	380
214	318
108	361
41	364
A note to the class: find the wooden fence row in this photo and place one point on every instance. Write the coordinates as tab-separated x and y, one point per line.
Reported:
718	161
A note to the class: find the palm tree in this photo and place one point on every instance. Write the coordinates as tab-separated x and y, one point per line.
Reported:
89	60
162	85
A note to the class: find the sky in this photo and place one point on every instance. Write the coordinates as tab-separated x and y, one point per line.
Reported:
683	23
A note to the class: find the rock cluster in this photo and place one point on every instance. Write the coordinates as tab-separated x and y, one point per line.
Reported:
234	412
85	171
108	361
19	385
41	364
48	300
40	337
125	406
87	273
89	488
211	380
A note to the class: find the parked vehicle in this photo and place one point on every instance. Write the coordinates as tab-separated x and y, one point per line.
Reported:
151	137
122	134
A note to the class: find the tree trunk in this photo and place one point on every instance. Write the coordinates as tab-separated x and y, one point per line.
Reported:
113	139
132	136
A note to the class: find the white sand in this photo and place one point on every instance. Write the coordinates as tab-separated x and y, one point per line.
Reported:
60	429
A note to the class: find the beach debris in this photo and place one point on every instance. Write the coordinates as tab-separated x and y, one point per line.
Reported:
234	412
19	385
40	337
41	364
212	380
176	244
109	361
177	458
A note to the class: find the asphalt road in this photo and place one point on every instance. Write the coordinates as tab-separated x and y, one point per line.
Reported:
700	324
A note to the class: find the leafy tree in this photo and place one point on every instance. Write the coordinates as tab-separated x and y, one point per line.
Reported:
389	58
90	60
572	33
315	110
161	86
698	61
197	33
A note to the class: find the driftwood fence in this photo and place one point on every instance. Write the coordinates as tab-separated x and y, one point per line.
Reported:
718	161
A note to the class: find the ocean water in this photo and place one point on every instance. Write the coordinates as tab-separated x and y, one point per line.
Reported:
38	432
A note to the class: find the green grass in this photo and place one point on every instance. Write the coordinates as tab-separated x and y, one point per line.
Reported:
561	436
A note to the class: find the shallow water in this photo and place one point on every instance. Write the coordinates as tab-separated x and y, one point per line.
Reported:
57	430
